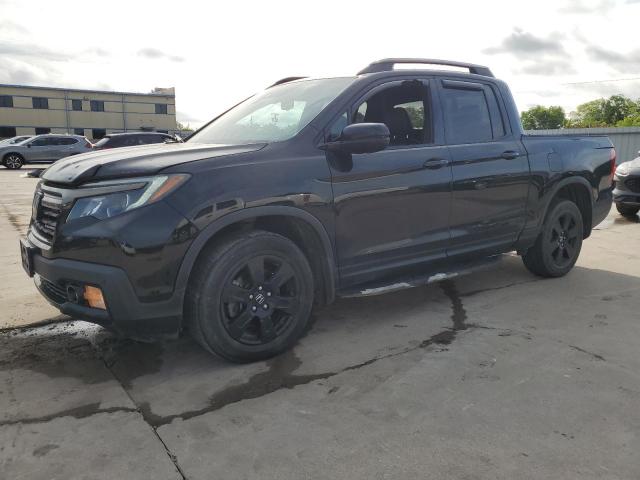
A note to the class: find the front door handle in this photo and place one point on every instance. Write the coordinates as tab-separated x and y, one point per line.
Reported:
510	154
435	163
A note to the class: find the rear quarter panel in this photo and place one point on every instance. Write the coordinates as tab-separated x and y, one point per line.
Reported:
558	160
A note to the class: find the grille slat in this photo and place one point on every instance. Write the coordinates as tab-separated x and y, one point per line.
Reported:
633	184
48	209
53	291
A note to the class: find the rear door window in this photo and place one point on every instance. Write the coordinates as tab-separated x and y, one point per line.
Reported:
466	113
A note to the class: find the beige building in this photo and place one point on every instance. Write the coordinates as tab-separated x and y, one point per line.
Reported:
28	110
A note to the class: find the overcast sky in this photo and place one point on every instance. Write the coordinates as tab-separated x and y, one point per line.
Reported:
216	53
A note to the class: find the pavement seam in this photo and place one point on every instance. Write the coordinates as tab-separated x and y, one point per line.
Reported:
172	457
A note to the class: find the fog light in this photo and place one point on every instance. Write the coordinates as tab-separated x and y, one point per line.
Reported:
93	296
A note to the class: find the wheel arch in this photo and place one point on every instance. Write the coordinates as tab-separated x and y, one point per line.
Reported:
4	157
580	192
298	225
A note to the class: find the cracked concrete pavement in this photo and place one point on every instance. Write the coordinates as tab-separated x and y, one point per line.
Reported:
495	375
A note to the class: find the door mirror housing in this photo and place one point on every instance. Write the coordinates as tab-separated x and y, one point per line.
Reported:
361	138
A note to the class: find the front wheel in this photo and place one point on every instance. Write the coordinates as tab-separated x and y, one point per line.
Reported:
13	161
558	245
250	297
627	210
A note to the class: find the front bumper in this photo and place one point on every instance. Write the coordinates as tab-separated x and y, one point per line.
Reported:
623	195
126	313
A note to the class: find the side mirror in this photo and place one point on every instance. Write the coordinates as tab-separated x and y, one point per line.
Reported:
28	145
361	138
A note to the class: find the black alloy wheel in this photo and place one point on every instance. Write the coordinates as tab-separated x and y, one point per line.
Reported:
564	239
250	296
558	245
260	299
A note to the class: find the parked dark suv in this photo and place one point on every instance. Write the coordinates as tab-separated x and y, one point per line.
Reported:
311	189
132	139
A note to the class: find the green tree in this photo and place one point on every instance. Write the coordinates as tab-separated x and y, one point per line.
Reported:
540	118
630	121
605	112
183	128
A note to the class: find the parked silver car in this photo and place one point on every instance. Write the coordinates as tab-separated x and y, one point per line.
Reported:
43	149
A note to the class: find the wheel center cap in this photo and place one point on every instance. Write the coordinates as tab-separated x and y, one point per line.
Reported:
562	239
259	298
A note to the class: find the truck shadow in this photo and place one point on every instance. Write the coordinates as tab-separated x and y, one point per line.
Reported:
178	379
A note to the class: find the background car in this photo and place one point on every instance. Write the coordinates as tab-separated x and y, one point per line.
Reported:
627	190
131	139
14	140
43	149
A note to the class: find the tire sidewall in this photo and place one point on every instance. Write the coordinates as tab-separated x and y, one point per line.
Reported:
560	208
627	210
208	306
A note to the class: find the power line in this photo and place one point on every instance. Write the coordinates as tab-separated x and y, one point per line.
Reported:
603	81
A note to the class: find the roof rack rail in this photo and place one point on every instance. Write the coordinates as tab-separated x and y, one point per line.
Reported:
286	80
386	65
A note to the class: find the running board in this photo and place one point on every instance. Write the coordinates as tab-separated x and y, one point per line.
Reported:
417	280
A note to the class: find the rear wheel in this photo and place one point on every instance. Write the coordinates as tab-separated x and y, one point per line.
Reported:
558	246
13	161
251	297
627	210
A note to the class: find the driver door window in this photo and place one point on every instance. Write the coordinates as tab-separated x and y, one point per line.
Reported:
402	108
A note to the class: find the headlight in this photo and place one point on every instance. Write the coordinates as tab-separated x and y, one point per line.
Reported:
116	197
623	169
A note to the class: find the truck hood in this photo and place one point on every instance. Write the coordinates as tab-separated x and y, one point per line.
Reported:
135	161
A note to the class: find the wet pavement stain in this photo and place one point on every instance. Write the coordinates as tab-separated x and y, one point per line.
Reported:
83	411
459	314
279	376
59	355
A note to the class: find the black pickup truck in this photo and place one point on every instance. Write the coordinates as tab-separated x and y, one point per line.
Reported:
312	189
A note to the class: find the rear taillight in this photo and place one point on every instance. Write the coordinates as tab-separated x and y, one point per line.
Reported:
612	160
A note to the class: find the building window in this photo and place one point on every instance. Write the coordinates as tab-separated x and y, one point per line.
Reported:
78	131
42	130
76	105
6	101
161	108
97	106
40	103
98	133
7	132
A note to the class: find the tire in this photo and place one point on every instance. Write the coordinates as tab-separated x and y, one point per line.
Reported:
627	210
13	161
250	297
559	243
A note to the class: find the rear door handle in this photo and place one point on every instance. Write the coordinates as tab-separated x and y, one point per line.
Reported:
435	163
510	154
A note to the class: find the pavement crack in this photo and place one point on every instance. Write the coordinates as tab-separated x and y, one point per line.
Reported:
83	411
594	355
172	457
501	287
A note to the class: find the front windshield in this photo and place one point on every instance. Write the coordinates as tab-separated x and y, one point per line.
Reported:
274	115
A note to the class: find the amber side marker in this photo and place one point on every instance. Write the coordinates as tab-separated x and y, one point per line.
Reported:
93	296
